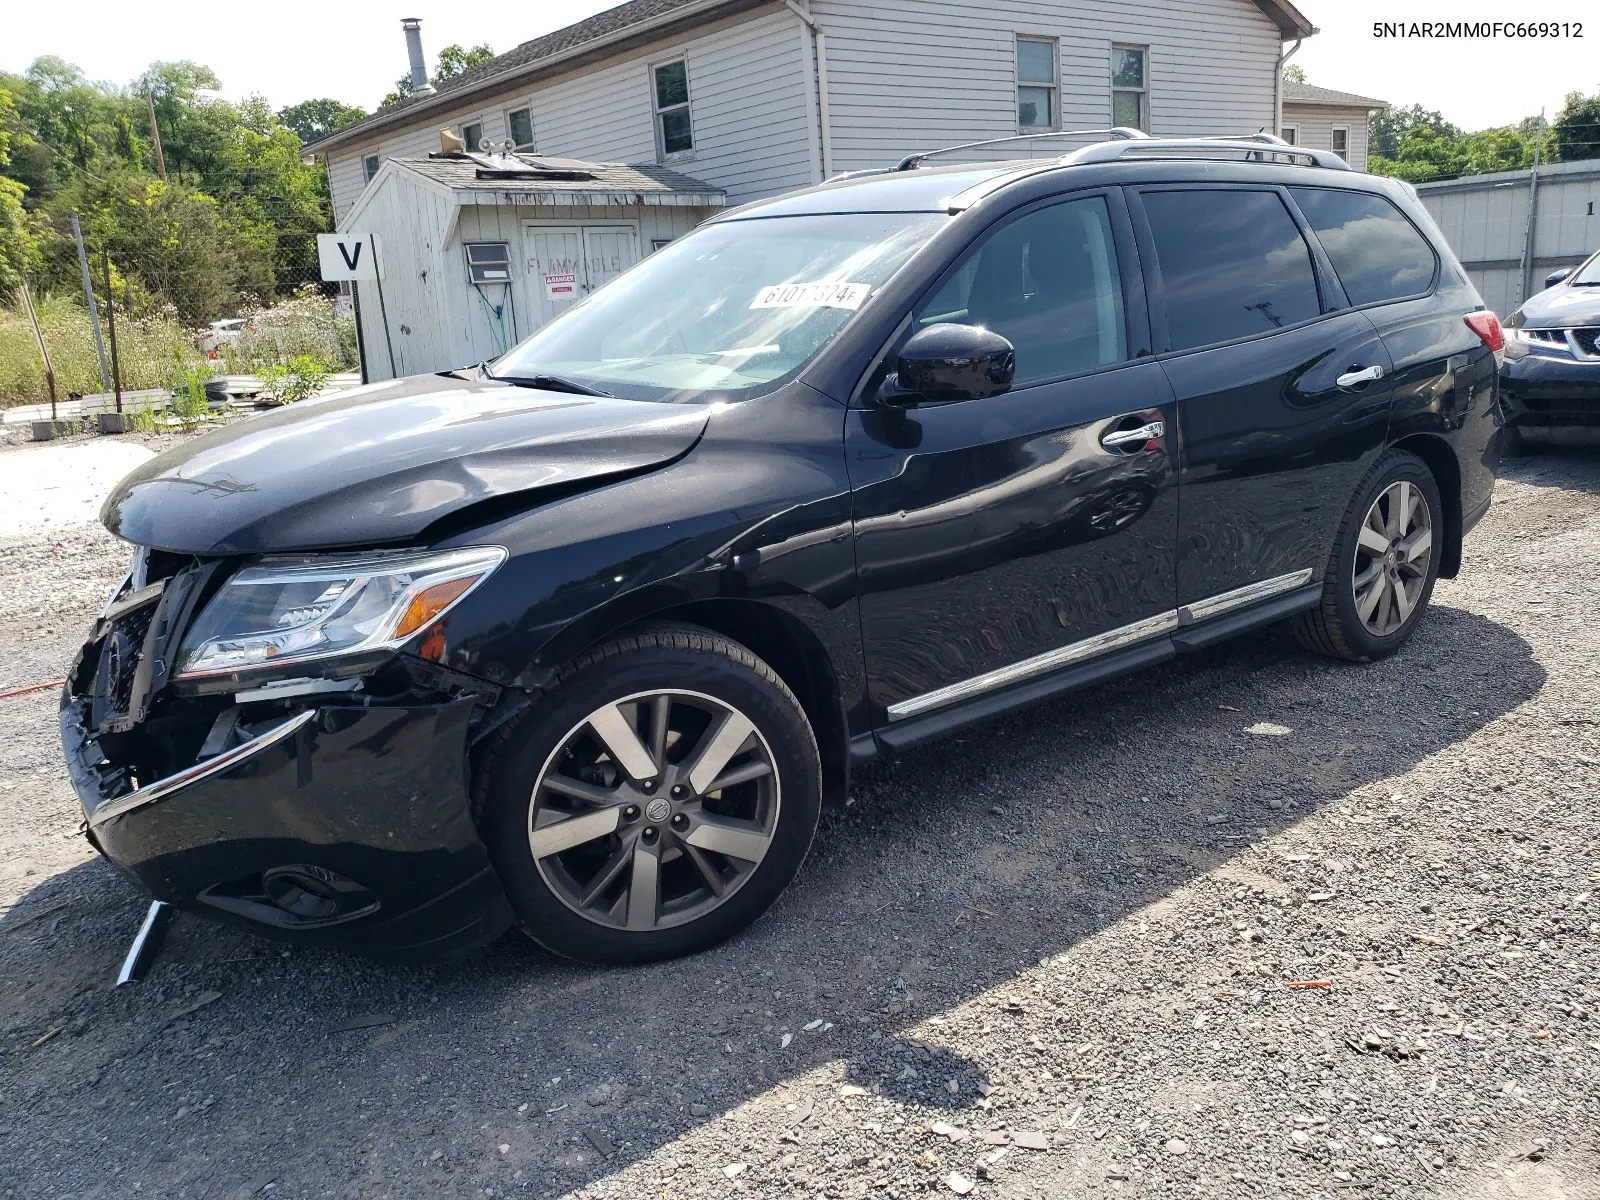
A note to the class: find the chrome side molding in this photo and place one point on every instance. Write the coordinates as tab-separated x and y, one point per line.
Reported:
1101	643
145	943
1039	664
1215	606
202	770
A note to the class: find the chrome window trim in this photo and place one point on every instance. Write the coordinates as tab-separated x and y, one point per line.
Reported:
162	788
1101	643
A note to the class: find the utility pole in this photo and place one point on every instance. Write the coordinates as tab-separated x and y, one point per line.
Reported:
1533	212
155	133
111	317
88	295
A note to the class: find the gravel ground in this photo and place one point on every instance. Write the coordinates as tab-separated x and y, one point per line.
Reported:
1047	958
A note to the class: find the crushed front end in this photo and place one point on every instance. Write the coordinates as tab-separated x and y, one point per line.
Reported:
320	795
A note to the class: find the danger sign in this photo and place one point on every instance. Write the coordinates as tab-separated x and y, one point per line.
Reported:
560	287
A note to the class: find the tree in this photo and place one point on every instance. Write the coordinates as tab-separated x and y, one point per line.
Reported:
458	60
1294	73
1490	150
1424	155
1577	128
455	59
1393	125
16	246
313	120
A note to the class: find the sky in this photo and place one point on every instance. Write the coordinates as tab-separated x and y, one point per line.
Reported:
353	50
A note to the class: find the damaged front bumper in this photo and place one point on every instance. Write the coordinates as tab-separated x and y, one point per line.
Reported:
345	826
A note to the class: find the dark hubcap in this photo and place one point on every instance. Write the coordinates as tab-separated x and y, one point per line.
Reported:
654	809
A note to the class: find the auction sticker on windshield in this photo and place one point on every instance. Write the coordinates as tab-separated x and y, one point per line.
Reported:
812	295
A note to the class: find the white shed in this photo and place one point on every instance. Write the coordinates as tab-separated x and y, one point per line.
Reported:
474	252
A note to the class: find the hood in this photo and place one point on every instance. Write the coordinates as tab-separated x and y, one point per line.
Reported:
380	464
1562	307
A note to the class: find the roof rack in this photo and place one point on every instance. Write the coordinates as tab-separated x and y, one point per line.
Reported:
1257	147
1120	133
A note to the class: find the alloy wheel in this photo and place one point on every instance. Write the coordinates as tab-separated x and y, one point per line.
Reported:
654	809
1393	552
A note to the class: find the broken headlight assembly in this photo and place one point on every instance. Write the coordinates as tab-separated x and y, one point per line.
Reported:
282	611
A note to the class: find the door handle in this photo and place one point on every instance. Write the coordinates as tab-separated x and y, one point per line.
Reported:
1118	438
1352	379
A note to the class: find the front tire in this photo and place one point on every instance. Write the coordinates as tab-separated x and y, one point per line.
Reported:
655	801
1384	564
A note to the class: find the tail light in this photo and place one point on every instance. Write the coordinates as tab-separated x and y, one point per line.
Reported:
1487	326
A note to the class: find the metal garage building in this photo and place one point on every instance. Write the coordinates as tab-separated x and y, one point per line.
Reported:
476	251
1507	252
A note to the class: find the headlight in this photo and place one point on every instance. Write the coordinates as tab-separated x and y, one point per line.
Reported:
288	610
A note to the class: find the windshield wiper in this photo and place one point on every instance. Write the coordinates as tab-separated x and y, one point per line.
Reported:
548	383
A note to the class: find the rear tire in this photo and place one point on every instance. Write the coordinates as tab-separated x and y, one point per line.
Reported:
1384	564
655	801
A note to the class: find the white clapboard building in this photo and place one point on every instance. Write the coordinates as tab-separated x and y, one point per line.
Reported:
757	97
473	252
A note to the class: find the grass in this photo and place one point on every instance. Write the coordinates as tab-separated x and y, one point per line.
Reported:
151	351
158	352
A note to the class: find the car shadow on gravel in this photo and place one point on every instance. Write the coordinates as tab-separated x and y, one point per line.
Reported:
239	1063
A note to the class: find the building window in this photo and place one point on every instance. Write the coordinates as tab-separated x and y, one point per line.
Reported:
520	123
674	135
472	135
1341	141
371	165
1130	93
1290	134
1036	83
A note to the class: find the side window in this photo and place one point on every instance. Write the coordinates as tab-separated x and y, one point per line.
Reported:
674	134
370	166
519	121
1232	264
1130	93
1377	253
472	135
1036	83
1048	282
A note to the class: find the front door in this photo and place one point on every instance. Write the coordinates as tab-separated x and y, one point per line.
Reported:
1002	539
1283	394
568	262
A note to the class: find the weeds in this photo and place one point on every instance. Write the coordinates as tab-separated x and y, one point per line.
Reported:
284	383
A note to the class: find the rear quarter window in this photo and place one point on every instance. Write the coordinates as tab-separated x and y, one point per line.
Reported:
1232	262
1377	253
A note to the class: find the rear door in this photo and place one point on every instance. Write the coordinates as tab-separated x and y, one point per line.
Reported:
1001	539
1282	392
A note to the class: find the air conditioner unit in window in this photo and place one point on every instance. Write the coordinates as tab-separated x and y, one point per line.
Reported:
488	262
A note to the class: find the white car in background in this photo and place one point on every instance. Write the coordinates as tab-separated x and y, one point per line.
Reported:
223	333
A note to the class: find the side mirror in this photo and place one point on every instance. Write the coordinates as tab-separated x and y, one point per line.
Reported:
957	362
1556	277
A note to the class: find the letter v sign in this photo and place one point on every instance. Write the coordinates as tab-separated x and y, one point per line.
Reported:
346	256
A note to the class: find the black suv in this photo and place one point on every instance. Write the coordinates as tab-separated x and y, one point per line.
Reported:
580	639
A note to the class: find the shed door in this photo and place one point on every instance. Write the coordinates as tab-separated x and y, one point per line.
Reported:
555	267
607	253
567	262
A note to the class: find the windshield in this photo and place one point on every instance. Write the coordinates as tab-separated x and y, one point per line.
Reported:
730	309
1588	274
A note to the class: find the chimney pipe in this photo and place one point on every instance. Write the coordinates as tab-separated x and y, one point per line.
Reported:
419	66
